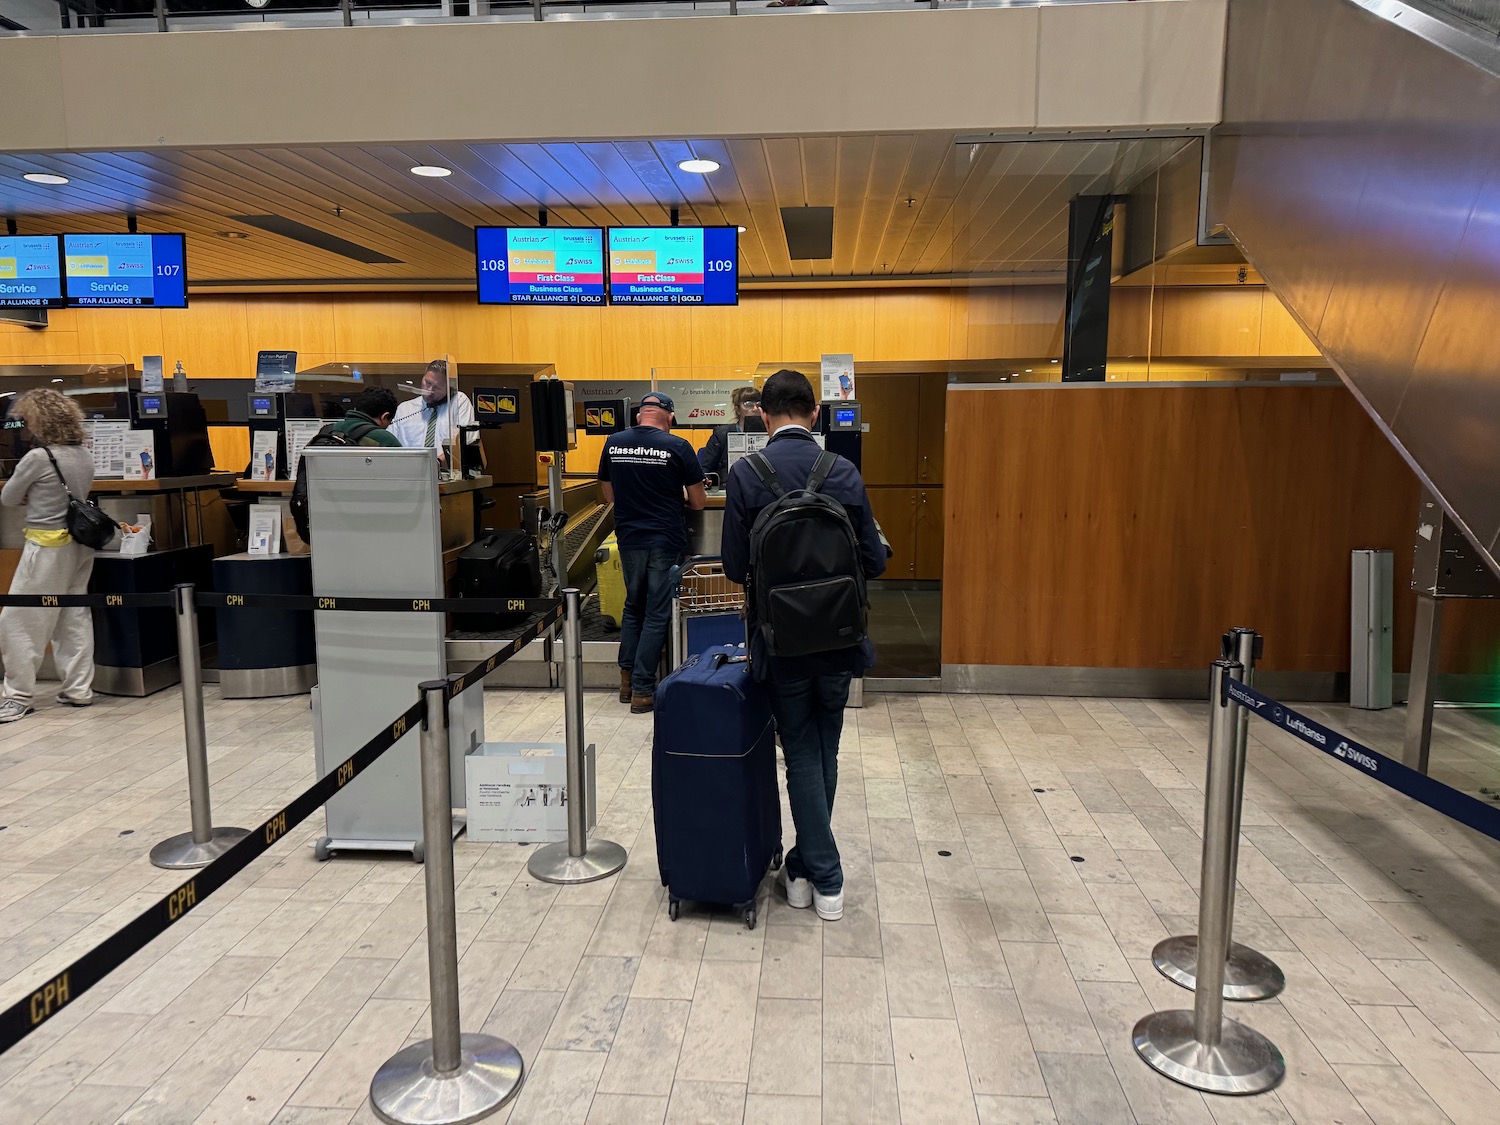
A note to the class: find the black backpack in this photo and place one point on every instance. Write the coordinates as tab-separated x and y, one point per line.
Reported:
328	435
806	581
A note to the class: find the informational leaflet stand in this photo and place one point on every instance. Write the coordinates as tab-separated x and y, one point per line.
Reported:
742	445
299	431
518	792
263	455
105	440
265	530
140	454
152	379
838	378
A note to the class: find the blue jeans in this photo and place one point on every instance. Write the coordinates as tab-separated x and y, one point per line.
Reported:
810	717
647	615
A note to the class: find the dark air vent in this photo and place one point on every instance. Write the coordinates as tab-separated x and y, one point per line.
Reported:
809	231
300	232
440	226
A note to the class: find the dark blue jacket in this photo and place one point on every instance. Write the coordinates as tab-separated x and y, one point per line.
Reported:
792	454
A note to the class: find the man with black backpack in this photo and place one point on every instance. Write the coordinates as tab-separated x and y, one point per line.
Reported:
366	423
800	535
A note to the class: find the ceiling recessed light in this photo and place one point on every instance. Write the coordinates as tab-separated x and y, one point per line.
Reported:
700	167
740	229
45	178
57	380
1054	361
231	234
431	171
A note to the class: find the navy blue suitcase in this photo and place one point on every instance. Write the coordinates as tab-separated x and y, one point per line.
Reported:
713	783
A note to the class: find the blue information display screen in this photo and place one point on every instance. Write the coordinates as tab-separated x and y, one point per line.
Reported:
30	270
125	270
674	266
540	265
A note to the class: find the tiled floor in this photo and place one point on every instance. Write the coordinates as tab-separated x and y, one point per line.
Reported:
981	972
906	625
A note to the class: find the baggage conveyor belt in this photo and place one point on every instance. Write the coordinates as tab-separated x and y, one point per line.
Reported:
529	668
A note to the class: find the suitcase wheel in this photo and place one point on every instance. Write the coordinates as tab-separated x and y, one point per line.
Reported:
750	915
674	907
776	859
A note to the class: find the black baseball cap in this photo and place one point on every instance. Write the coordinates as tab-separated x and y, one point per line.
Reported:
657	398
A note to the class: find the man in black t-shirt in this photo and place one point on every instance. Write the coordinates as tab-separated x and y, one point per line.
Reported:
648	473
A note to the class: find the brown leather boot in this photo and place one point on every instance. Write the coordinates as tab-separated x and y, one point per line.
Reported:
642	704
624	685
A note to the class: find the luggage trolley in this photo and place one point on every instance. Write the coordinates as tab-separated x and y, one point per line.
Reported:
707	608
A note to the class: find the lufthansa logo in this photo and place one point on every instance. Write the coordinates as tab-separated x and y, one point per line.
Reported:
50	599
327	603
49	998
420	604
346	773
398	728
234	599
276	828
114	599
183	899
1278	715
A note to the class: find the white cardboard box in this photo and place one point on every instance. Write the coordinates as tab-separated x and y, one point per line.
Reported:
518	791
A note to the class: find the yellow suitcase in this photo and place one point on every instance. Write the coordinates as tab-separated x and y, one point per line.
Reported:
611	578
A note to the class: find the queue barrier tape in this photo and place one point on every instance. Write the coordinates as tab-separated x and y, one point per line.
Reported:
159	600
299	602
26	1015
1397	775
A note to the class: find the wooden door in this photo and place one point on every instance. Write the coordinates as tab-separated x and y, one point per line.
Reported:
928	561
932	418
896	510
889	406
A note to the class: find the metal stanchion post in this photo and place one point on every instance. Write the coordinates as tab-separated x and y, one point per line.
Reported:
204	843
578	860
1248	974
1200	1048
451	1078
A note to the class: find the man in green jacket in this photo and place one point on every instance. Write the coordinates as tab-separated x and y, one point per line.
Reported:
370	416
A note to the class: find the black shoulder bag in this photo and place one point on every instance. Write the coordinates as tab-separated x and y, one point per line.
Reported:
86	522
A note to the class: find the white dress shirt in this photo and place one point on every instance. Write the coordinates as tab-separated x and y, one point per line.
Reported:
410	423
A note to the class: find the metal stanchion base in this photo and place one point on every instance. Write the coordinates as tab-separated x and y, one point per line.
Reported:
553	864
1248	975
1243	1062
406	1090
181	852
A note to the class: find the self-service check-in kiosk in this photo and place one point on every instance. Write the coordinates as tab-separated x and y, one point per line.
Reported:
842	429
180	426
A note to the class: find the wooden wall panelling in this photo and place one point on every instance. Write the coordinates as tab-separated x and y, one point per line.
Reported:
888	453
1038	316
932	416
230	445
126	333
1130	314
378	328
640	338
989	318
930	533
1279	333
740	335
455	324
211	337
911	324
1128	528
1204	322
571	338
17	342
815	324
300	324
896	511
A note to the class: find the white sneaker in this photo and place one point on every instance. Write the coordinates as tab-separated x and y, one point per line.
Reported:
799	892
830	907
13	709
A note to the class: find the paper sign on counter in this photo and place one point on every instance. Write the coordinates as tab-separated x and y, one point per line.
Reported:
263	456
140	454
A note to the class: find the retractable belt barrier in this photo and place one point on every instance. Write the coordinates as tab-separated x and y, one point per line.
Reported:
1397	775
29	1013
161	600
211	600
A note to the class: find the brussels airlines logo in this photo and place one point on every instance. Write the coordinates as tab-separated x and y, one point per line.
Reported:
1357	756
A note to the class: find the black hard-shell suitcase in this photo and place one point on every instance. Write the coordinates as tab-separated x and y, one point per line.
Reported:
713	783
499	564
